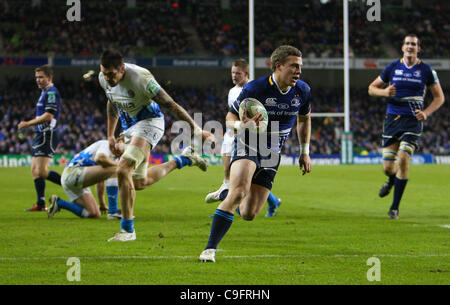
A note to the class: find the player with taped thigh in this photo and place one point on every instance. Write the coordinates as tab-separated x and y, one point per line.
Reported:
404	83
135	96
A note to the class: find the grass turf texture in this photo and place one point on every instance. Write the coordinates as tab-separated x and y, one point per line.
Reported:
330	223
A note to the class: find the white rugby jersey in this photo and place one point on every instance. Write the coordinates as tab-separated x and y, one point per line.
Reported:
133	95
87	156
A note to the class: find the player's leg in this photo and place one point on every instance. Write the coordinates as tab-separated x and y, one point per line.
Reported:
112	193
136	153
406	150
151	175
76	187
154	174
241	174
39	171
390	167
226	151
253	202
273	203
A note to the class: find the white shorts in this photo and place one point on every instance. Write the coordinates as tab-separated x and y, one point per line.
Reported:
227	144
151	130
72	182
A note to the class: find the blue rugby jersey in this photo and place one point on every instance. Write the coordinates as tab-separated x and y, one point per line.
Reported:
49	101
282	107
411	84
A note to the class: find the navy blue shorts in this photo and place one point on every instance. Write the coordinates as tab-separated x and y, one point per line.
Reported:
401	128
266	166
44	144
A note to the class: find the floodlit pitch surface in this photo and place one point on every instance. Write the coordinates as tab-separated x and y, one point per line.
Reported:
330	223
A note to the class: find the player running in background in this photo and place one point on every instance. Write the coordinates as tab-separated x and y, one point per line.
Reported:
252	171
239	76
45	140
94	165
134	95
404	83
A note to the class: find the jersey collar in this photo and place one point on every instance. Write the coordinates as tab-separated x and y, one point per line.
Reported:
273	81
409	67
48	87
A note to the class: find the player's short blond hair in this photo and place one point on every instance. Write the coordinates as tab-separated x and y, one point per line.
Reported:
241	63
281	53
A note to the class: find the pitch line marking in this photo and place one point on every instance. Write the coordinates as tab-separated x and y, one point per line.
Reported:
224	256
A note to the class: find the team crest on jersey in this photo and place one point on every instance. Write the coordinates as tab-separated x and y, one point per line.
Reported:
295	102
417	73
131	93
271	101
398	72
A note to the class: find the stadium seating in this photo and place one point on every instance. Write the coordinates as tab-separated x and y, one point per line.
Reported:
83	117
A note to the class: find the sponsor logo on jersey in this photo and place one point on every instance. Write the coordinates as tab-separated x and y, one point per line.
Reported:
417	73
271	101
295	102
283	106
398	72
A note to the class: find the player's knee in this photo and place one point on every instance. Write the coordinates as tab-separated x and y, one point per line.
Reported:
238	195
39	172
248	215
95	214
134	155
406	149
139	185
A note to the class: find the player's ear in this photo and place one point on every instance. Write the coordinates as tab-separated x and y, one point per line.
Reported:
122	68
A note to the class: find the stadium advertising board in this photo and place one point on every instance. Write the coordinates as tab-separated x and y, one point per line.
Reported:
25	160
308	63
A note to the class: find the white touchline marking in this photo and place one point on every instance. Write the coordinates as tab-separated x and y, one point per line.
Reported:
224	256
445	226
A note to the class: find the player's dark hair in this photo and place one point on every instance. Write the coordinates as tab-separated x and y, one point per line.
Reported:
46	69
281	53
412	35
241	63
111	59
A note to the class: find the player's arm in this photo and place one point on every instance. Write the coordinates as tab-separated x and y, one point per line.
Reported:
166	101
436	103
378	88
304	137
233	122
100	189
104	161
44	118
112	118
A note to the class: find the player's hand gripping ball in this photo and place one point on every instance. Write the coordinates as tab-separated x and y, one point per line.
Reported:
253	107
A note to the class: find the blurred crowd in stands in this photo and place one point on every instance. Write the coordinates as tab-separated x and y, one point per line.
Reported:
161	27
83	117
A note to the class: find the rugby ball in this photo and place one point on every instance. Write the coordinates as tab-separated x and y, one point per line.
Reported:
253	107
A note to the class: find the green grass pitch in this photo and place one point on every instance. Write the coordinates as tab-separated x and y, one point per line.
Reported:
330	223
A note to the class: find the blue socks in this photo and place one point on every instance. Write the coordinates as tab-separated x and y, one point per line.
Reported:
221	223
54	177
39	185
272	200
73	207
112	192
399	187
127	225
182	161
